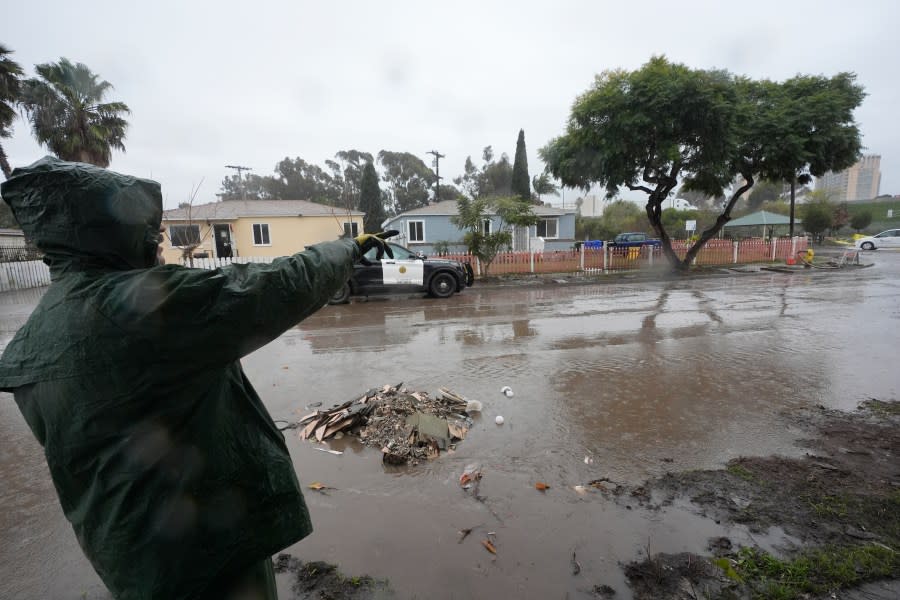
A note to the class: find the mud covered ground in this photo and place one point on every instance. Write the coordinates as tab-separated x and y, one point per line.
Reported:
841	503
323	581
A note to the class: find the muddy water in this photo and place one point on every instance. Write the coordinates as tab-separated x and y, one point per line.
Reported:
637	378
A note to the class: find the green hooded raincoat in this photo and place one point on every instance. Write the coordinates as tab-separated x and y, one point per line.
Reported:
165	460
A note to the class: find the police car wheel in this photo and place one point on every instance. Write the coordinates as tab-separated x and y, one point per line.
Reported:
442	285
342	296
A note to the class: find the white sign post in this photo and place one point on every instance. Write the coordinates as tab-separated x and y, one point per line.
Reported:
690	225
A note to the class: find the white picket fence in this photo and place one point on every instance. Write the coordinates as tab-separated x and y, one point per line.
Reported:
215	263
23	275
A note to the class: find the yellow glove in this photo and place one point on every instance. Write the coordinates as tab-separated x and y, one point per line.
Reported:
367	241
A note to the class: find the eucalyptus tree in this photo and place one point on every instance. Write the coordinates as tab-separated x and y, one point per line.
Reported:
408	179
492	180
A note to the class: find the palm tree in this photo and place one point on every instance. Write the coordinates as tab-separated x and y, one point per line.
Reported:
66	112
10	96
542	184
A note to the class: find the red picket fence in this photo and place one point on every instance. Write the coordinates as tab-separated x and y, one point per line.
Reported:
714	252
28	274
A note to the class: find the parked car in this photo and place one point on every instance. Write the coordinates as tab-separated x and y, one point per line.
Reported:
633	239
407	273
885	239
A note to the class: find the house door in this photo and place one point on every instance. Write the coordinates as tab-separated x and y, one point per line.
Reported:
223	240
520	238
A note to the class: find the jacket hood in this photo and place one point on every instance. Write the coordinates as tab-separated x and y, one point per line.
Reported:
83	217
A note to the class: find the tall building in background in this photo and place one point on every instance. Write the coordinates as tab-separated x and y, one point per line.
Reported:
862	181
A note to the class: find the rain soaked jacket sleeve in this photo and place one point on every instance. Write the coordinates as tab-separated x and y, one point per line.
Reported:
215	317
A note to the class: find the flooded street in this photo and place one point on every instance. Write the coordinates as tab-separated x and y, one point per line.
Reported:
624	380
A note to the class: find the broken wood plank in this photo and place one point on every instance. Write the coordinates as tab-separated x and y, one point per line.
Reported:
308	430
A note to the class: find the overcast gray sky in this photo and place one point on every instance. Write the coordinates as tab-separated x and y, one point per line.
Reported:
212	83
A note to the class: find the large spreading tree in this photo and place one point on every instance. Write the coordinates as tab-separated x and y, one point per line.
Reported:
67	113
649	130
816	132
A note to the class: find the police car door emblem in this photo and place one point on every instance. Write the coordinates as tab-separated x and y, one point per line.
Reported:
411	273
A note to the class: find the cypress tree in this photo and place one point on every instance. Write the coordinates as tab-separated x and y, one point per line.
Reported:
370	200
521	183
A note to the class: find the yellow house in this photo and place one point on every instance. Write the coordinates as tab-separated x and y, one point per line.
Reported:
254	228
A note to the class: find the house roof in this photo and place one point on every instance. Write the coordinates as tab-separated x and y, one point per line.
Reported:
450	208
762	217
233	209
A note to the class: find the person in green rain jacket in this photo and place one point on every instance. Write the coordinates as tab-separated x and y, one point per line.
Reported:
176	480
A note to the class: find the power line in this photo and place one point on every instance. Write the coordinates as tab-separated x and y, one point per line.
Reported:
437	174
240	169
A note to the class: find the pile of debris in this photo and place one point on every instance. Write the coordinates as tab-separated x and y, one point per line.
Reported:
407	426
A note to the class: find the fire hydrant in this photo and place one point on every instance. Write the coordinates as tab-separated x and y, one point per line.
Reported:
808	258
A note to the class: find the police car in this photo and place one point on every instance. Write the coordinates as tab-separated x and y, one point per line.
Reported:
406	273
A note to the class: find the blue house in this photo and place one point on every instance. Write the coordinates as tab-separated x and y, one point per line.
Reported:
422	228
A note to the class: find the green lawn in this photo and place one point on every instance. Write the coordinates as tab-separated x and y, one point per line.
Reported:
879	210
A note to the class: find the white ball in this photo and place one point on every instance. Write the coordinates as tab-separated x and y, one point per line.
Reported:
498	420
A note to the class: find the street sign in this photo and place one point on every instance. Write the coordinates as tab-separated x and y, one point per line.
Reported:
690	225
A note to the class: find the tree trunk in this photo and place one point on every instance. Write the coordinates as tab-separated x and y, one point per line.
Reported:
718	225
666	184
654	214
793	185
4	164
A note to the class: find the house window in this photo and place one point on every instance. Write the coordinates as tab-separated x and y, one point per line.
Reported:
351	229
548	228
261	234
486	227
416	231
184	235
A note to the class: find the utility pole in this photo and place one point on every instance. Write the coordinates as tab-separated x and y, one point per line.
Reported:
437	173
239	169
